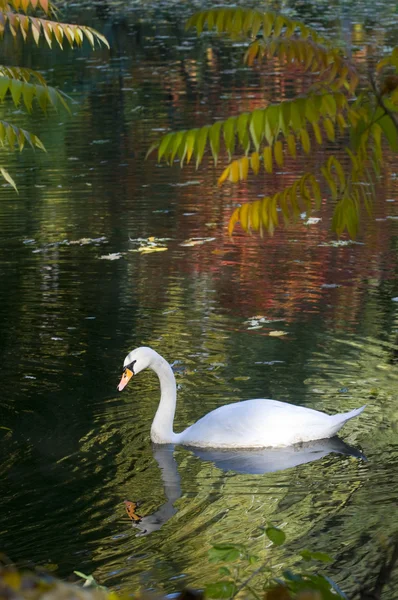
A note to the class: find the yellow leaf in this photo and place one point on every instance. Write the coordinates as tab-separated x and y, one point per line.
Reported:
233	220
149	249
243	168
272	210
305	140
12	579
234	171
255	212
317	132
224	175
267	153
329	128
244	216
264	211
291	144
277	333
255	162
341	122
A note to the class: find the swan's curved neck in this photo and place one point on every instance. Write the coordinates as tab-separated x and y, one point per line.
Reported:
162	425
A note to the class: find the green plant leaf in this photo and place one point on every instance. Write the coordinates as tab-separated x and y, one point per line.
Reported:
321	556
221	590
225	553
8	178
276	535
390	131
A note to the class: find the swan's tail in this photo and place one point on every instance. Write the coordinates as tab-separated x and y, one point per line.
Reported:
341	418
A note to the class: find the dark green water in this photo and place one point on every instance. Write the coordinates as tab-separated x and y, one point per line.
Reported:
72	449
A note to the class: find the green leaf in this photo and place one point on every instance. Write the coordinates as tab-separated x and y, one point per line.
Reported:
329	105
390	131
271	123
224	571
214	137
321	556
190	143
257	127
200	145
164	144
305	140
224	553
16	90
295	117
8	178
175	145
221	590
276	535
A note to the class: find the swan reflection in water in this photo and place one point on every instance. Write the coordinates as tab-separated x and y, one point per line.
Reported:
254	462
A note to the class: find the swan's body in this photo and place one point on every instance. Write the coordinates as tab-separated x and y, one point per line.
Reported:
258	423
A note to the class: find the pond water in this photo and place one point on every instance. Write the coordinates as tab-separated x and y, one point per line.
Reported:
296	317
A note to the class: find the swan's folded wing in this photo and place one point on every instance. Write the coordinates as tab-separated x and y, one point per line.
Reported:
257	423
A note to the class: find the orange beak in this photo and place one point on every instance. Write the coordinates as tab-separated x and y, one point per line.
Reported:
127	375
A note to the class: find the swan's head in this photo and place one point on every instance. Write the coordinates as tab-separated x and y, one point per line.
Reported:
137	360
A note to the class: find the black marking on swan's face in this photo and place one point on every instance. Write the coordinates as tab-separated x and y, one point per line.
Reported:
130	366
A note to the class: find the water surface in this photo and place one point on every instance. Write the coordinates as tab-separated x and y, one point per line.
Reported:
72	449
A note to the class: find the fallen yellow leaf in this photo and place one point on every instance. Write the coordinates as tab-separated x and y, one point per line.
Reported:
277	333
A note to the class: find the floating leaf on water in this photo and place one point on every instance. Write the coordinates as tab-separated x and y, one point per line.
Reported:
312	221
112	256
150	244
153	239
340	243
149	249
277	333
269	362
131	508
185	184
197	241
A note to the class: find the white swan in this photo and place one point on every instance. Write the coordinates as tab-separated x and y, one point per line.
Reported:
250	424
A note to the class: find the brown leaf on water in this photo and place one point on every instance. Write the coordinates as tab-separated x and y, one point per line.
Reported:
278	593
131	507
